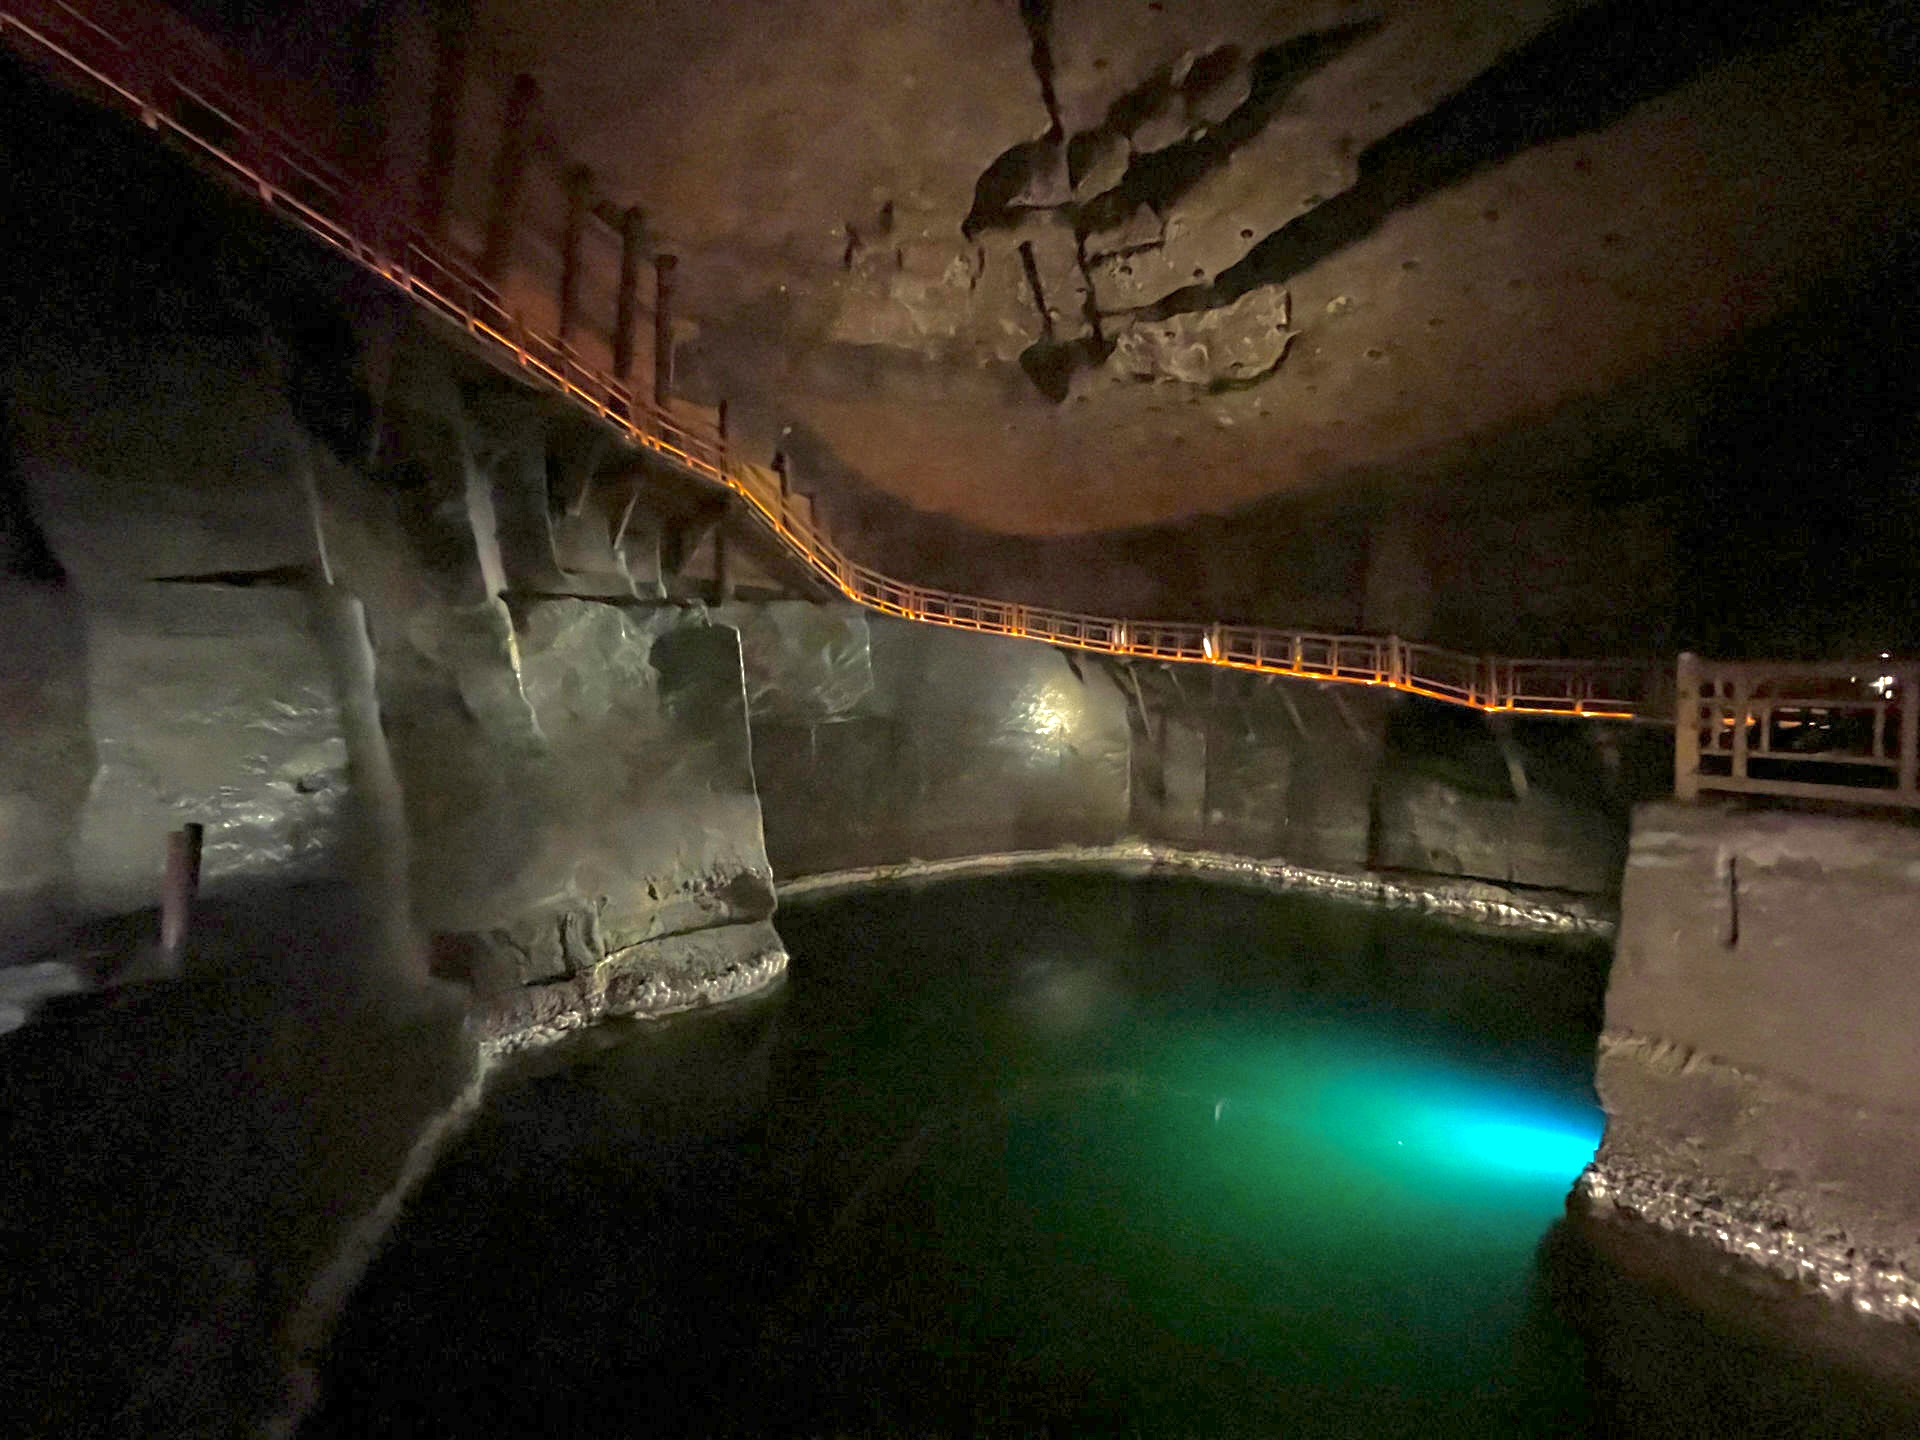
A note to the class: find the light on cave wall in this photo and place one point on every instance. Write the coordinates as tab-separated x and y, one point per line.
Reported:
1049	714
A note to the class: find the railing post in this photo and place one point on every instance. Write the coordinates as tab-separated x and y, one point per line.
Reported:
1908	681
1742	693
1686	727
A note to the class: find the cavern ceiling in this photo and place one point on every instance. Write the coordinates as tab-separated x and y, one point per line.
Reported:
1050	266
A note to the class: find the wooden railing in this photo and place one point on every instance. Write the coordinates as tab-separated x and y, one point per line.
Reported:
1845	731
179	83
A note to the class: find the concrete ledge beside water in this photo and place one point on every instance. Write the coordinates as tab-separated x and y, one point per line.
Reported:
1758	1069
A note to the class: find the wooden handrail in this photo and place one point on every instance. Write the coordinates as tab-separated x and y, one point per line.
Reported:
252	148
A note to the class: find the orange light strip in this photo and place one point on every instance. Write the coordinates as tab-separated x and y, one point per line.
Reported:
58	29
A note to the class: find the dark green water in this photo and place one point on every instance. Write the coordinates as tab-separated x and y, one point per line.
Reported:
1033	1156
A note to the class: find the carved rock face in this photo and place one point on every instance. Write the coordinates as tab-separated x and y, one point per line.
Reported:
1523	204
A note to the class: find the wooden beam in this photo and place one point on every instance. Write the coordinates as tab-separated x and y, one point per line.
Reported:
626	299
663	268
1686	727
579	181
509	177
452	24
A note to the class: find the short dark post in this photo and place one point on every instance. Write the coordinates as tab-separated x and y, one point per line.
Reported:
663	266
626	302
179	888
509	175
783	468
579	189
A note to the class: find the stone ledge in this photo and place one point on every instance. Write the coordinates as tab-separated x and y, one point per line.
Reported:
1813	1188
1826	1261
1476	903
657	977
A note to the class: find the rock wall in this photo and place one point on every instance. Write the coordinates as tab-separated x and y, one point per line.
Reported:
1758	1067
878	741
885	740
572	837
306	585
246	504
575	773
179	679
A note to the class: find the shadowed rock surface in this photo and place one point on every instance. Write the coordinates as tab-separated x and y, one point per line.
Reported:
877	741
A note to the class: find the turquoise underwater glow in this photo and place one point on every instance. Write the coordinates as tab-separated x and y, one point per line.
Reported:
1553	1150
1329	1200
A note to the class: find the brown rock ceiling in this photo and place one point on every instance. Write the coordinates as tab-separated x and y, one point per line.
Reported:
1466	215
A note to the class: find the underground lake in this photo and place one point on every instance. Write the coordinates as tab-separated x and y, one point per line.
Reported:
1055	1154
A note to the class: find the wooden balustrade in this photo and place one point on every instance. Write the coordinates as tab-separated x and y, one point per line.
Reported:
1847	731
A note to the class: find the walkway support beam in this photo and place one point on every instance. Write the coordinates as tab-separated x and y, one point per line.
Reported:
509	177
627	300
579	194
452	25
663	268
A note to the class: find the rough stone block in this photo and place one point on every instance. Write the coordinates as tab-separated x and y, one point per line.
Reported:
630	817
211	704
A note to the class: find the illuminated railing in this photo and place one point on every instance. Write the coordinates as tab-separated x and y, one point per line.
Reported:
177	81
1847	731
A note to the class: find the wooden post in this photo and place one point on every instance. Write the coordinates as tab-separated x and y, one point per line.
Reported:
453	23
509	177
1907	681
1686	727
1742	693
579	190
178	889
663	267
626	302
